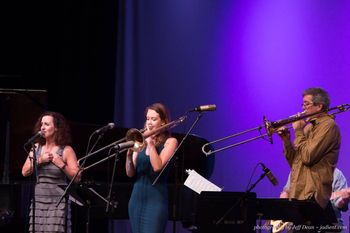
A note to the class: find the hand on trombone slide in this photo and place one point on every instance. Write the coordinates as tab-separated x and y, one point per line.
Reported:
300	123
284	133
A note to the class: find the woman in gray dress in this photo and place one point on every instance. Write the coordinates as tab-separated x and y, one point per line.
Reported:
55	161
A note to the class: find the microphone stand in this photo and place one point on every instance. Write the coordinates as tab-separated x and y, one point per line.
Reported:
199	116
240	199
177	148
75	176
79	170
112	181
35	175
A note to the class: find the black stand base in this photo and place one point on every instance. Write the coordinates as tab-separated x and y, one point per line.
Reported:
212	205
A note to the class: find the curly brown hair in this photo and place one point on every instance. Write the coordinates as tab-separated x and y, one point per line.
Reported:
62	136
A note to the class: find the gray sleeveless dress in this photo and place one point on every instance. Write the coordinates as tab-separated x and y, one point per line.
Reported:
48	216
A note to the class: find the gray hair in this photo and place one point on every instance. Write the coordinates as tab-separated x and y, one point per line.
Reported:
319	96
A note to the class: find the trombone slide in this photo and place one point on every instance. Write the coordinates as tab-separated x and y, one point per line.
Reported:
271	128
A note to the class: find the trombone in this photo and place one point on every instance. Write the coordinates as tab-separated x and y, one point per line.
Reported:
270	127
134	139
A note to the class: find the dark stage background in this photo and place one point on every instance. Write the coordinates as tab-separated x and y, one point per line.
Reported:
105	61
64	47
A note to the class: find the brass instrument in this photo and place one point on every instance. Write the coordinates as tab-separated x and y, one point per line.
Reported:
271	128
134	140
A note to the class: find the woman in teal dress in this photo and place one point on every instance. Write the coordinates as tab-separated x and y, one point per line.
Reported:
148	205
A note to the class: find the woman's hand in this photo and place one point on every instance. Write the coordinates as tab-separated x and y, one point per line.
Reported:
58	161
45	158
150	141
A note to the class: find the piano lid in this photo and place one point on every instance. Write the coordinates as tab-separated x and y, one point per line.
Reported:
19	110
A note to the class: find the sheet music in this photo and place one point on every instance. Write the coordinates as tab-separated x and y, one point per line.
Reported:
198	183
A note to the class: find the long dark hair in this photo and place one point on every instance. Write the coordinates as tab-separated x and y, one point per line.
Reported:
62	136
164	115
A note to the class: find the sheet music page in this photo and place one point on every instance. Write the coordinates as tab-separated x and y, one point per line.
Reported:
198	183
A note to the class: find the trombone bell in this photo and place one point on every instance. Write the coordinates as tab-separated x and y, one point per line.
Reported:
136	136
135	140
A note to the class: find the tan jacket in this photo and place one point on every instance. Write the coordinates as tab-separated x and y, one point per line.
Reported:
313	159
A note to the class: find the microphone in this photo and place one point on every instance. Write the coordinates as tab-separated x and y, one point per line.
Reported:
124	145
204	108
35	137
105	128
269	175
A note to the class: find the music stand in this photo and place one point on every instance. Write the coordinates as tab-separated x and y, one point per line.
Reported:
212	205
87	197
300	212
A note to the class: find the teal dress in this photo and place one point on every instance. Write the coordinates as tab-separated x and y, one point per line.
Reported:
148	204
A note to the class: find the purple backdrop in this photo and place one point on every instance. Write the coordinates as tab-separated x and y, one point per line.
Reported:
251	59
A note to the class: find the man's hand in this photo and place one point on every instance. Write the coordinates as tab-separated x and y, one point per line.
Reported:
299	124
343	195
284	133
